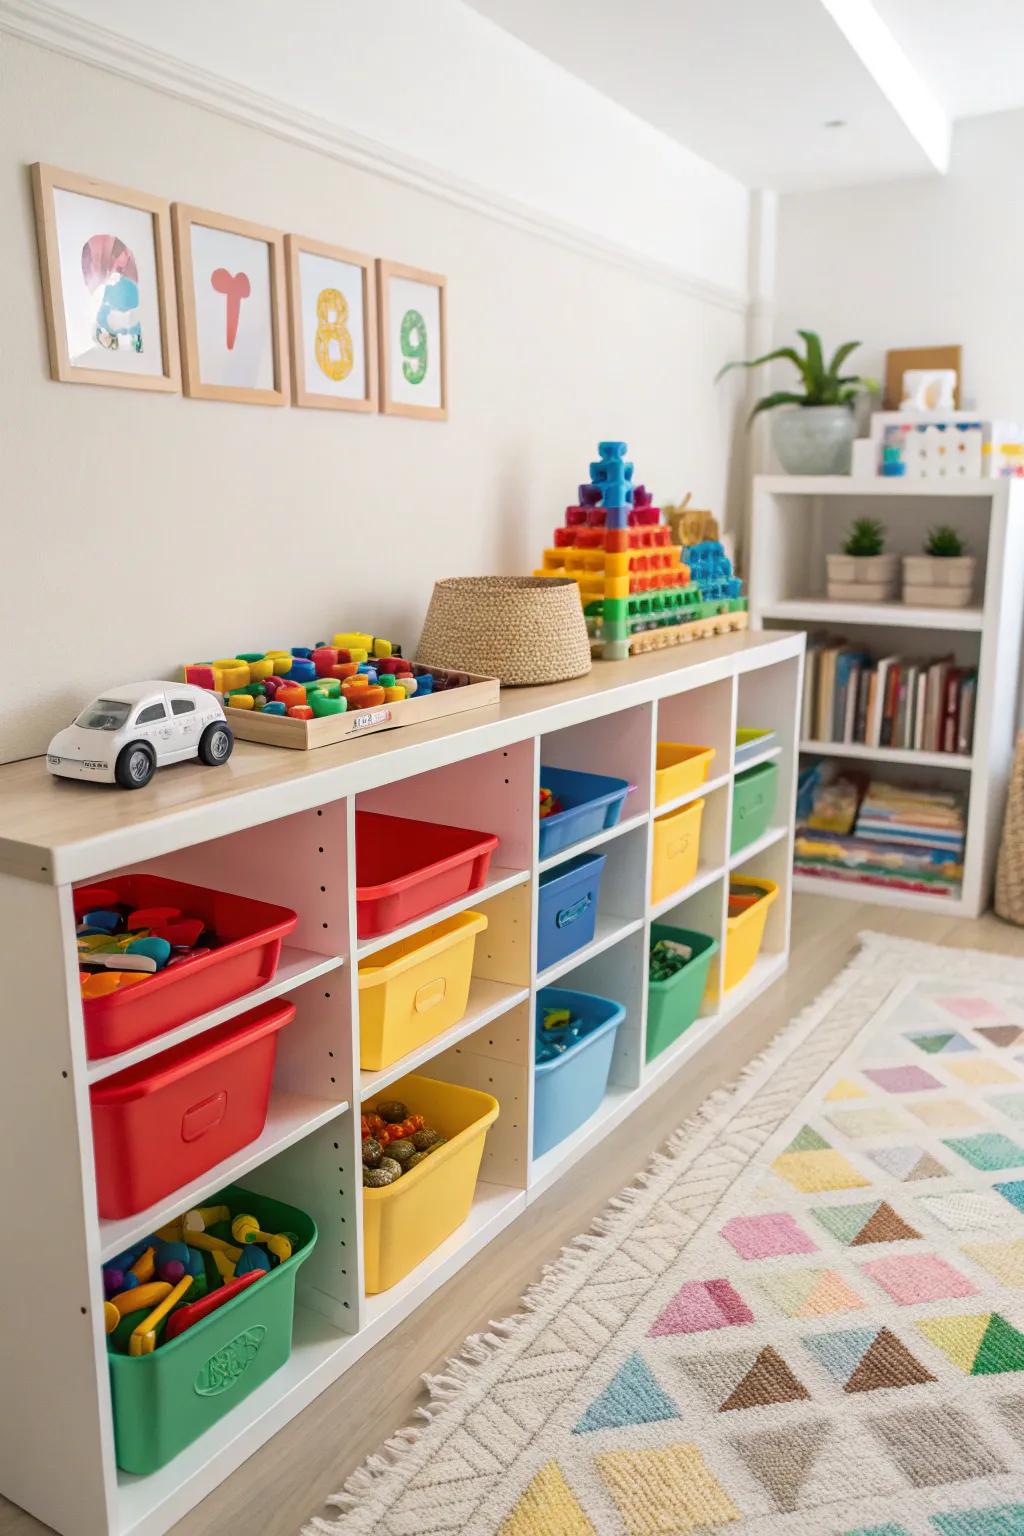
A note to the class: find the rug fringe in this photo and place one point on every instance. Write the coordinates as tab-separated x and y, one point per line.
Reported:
448	1387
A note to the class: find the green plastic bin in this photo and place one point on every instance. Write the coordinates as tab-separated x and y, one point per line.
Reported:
164	1401
673	1005
753	804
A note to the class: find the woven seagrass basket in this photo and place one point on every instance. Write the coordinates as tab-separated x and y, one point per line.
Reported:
1010	868
523	630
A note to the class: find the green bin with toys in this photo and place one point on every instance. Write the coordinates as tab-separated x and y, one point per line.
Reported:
164	1400
673	1000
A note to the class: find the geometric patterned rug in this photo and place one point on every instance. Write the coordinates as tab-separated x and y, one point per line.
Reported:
806	1317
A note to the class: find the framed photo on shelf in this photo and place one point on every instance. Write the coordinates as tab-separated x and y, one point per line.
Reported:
231	305
108	282
333	315
412	323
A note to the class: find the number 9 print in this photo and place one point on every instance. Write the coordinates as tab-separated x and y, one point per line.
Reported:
413	341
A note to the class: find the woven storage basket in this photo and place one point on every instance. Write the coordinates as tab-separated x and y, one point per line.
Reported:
522	630
1010	868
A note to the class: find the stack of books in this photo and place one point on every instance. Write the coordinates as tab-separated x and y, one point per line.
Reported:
905	838
892	701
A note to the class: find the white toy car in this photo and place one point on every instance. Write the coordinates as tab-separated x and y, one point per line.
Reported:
129	732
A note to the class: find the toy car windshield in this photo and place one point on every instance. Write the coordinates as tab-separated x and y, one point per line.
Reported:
104	715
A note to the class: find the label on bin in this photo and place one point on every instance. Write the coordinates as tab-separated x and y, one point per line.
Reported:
430	994
223	1370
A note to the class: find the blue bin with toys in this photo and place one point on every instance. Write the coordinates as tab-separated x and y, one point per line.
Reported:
567	907
571	1079
591	802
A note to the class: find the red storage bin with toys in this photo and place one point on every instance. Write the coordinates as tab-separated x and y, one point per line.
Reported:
236	950
166	1121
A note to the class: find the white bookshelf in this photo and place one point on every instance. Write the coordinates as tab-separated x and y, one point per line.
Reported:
280	825
798	520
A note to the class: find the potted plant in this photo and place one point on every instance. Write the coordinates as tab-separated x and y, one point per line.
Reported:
863	573
943	577
815	438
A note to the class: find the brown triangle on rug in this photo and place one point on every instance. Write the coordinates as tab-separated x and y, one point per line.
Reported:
1003	1035
926	1167
887	1363
769	1380
884	1226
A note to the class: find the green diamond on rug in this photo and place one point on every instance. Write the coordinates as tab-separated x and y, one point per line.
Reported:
731	1350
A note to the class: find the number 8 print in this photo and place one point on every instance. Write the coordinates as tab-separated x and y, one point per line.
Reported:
413	351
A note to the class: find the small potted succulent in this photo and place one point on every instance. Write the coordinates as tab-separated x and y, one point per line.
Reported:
816	436
943	577
863	573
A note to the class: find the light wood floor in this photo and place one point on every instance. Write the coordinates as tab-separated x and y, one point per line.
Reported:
283	1484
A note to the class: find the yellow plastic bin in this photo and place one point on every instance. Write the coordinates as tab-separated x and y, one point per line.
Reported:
415	989
744	933
676	850
679	769
407	1220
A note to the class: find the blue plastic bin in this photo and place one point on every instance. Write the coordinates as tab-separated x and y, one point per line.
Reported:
592	802
567	907
570	1088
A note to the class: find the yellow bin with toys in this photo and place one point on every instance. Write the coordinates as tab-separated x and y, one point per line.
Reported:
676	852
744	928
679	769
415	989
405	1221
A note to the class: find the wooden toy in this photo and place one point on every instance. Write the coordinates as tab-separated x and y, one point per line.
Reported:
127	733
638	592
357	684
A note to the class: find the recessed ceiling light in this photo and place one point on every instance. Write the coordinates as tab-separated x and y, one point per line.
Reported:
835	122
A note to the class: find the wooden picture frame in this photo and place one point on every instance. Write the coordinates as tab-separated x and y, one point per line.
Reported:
208	372
335	266
74	328
396	390
898	362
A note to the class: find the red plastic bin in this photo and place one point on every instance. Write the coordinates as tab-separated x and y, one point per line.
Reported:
405	868
251	933
167	1120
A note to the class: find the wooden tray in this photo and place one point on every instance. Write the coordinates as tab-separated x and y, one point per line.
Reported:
304	735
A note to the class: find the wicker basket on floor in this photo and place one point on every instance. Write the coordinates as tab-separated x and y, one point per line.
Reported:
1010	868
523	630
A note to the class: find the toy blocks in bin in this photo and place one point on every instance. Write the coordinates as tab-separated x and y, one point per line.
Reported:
640	588
315	696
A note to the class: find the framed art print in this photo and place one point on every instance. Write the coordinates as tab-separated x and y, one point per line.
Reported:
333	326
411	318
231	304
108	283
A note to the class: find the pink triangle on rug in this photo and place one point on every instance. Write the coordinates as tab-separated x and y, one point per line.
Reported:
700	1305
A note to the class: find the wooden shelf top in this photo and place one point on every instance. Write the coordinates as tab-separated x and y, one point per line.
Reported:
57	830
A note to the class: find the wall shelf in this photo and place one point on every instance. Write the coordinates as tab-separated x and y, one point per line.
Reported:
796	521
281	826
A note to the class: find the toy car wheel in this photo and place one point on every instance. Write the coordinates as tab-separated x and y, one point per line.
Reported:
215	744
135	766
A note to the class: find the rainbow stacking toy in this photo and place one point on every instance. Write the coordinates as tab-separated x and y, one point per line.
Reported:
638	591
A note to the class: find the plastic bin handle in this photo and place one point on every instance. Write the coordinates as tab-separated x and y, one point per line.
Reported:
430	994
202	1117
569	915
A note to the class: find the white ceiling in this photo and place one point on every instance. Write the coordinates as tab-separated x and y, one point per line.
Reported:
751	84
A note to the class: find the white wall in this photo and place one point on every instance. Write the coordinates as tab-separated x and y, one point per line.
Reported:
141	530
919	263
443	89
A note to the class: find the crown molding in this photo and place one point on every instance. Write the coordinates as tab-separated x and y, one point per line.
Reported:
36	22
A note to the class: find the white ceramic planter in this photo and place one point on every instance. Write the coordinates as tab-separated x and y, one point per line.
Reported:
938	581
862	578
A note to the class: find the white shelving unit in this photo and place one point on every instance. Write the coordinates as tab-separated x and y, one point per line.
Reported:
797	520
280	825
